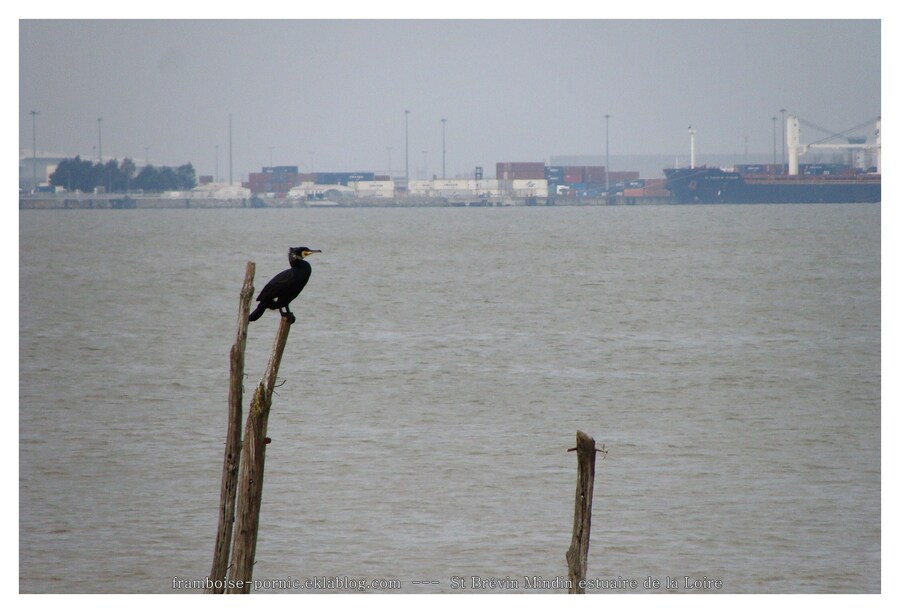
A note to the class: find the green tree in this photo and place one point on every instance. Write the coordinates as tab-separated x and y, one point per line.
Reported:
77	174
73	174
126	175
187	178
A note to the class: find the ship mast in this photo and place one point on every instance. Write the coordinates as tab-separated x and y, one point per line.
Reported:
692	132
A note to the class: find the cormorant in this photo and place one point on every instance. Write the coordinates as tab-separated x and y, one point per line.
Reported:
286	285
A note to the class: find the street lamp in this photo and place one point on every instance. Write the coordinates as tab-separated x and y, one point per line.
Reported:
774	142
33	152
444	148
607	152
782	140
99	140
407	145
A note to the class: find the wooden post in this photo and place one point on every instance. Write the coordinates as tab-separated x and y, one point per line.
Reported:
253	462
577	555
232	441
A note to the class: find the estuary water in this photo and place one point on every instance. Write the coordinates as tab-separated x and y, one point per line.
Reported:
728	357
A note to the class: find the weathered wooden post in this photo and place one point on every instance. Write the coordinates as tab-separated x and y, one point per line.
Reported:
232	441
253	460
577	555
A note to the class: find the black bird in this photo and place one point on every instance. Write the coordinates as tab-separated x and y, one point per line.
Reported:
286	285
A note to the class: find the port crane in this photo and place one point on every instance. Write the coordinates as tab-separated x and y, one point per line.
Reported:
796	149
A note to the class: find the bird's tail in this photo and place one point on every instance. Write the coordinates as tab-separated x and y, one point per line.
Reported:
257	313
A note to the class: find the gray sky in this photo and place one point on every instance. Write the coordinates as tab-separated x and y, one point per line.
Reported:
510	90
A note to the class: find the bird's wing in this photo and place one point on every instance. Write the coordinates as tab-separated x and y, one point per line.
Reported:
274	286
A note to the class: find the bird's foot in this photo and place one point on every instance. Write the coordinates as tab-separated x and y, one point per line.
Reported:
290	317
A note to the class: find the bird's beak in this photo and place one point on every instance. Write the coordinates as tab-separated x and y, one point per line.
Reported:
308	251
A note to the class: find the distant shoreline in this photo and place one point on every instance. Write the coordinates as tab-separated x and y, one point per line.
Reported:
116	201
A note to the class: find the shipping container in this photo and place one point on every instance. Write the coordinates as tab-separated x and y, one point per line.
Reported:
528	183
657	192
646	192
342	178
373	189
280	169
511	171
594	174
573	174
554	174
487	188
623	175
454	184
825	169
417	187
529	188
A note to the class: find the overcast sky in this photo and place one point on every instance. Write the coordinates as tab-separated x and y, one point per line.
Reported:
331	95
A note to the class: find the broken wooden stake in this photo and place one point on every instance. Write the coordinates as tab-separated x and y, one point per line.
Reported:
250	481
232	441
577	555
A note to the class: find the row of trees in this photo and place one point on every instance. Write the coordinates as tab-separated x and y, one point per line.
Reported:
82	175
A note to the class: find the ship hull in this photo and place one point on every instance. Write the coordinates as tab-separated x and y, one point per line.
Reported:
717	186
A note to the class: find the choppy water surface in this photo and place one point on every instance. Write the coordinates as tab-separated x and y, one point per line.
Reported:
443	359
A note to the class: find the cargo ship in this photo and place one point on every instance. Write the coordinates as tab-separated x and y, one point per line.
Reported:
712	185
777	184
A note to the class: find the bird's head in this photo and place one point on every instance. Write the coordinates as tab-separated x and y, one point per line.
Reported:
298	253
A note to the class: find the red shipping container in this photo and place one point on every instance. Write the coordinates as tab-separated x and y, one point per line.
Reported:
626	175
573	174
508	171
594	174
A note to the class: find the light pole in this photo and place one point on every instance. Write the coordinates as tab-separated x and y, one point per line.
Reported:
444	149
217	163
390	175
406	112
774	142
782	140
100	140
607	116
34	185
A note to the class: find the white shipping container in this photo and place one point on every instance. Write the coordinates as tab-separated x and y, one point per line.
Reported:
418	187
461	188
374	189
488	188
530	188
458	185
